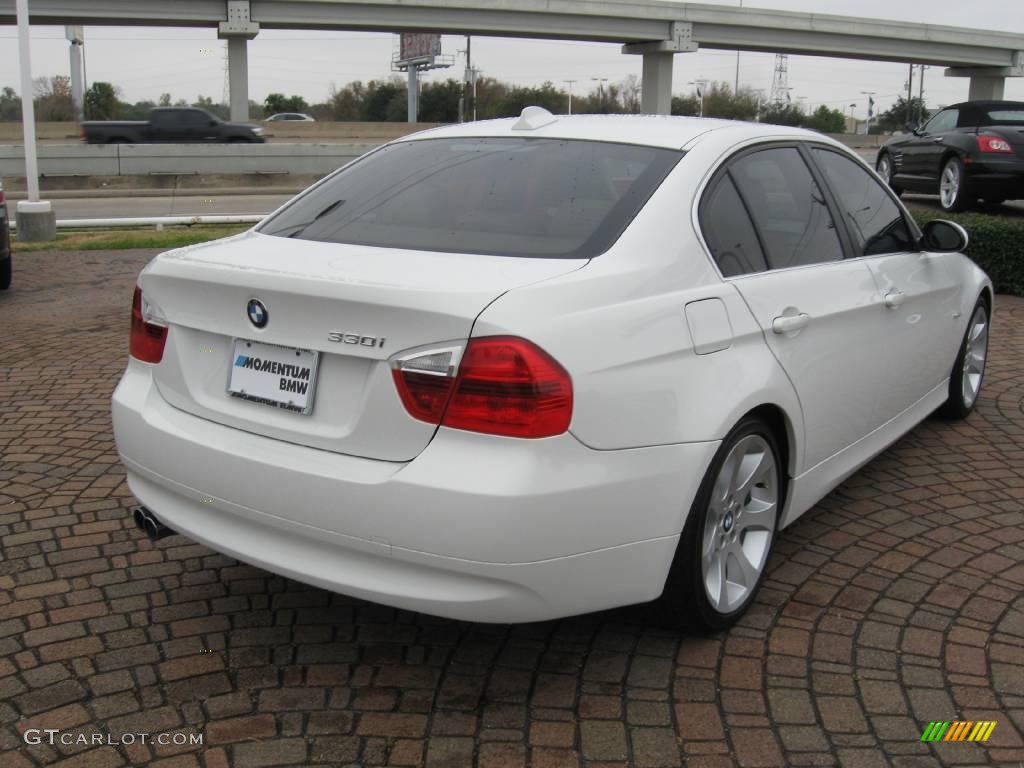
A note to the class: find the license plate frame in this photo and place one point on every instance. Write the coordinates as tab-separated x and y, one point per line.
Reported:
247	384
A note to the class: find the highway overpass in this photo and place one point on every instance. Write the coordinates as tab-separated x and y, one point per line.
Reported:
654	29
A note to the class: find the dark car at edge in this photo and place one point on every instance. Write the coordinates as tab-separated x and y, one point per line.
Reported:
171	125
965	153
5	242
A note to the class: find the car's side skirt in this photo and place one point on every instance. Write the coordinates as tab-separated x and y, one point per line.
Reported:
815	483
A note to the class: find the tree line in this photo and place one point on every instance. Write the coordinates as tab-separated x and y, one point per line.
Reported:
439	102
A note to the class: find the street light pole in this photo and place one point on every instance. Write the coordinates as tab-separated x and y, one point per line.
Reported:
570	82
701	85
36	220
871	103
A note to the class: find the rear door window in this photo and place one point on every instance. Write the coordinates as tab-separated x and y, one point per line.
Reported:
529	197
728	231
873	220
789	210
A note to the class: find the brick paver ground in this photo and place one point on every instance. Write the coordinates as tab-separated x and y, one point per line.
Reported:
897	601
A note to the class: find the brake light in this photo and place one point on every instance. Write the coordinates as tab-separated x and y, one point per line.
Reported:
503	385
997	144
1	194
147	338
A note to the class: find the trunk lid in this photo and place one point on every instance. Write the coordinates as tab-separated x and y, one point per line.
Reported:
401	298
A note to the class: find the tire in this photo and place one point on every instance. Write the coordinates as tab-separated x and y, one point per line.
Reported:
968	372
884	168
695	596
953	186
6	271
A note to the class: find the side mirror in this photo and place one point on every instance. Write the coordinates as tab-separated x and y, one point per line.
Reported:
944	236
213	123
911	128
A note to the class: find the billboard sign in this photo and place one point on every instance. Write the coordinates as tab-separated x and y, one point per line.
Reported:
416	46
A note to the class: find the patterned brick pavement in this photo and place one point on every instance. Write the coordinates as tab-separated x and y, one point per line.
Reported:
897	601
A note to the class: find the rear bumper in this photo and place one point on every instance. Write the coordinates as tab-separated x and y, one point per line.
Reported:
997	178
476	528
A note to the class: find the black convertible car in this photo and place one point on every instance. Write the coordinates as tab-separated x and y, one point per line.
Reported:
966	152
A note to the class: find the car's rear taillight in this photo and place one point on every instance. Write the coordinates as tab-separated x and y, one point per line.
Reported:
503	385
147	338
1	194
994	144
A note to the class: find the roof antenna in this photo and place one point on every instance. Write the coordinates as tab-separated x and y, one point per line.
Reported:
533	118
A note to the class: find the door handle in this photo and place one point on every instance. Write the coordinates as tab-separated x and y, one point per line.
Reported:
938	139
895	299
790	323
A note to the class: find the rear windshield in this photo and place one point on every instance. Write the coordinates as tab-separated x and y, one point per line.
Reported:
531	197
1005	117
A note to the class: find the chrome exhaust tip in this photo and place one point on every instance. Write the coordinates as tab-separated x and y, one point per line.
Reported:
149	524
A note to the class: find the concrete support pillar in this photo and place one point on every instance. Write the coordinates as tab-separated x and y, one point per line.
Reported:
77	69
238	29
656	93
238	78
413	88
986	88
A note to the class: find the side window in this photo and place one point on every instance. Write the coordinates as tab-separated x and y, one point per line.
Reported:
196	118
944	121
729	234
788	208
875	222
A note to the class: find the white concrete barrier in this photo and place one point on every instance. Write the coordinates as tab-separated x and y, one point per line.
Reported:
147	159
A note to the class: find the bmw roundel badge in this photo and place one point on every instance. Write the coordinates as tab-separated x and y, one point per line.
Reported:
258	314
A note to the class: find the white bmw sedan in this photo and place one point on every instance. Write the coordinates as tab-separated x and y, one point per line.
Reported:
513	370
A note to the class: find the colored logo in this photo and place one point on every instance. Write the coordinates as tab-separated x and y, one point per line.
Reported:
240	361
258	315
959	730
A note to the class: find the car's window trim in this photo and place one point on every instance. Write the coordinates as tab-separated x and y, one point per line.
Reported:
908	220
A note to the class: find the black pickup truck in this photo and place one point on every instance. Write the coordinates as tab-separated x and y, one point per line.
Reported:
171	125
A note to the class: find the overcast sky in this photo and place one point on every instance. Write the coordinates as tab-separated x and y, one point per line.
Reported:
145	62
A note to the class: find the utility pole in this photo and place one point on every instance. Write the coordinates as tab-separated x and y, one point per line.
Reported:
920	96
570	82
600	90
736	89
470	88
910	93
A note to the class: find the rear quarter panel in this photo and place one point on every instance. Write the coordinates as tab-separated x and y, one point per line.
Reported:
619	327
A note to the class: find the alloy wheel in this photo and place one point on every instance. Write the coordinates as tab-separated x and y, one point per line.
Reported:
885	169
974	356
740	523
949	185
